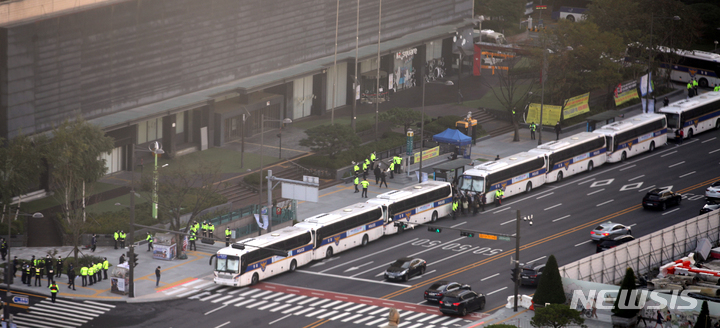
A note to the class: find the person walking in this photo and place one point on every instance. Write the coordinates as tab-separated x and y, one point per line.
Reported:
666	101
3	248
93	242
71	279
59	263
24	273
594	309
377	172
228	233
659	317
365	185
383	175
16	262
157	277
679	136
558	130
121	261
53	291
122	239
106	266
533	127
50	276
149	239
393	319
356	181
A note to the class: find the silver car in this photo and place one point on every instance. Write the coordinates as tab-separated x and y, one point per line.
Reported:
713	191
608	229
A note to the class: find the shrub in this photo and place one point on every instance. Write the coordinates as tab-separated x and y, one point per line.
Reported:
628	284
364	125
253	179
441	124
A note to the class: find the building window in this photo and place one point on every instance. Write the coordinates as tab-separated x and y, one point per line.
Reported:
149	130
142	132
180	123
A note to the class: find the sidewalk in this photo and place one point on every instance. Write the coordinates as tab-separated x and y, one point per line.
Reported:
523	316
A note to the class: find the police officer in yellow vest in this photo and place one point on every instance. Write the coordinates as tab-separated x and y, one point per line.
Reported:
365	168
211	229
356	168
91	274
373	157
365	185
192	238
455	207
499	193
38	276
391	168
204	228
533	127
122	239
695	86
717	88
228	234
149	239
105	266
83	274
690	91
357	182
53	290
116	235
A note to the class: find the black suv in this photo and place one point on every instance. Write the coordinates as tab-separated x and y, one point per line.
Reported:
530	275
660	198
610	242
437	291
461	302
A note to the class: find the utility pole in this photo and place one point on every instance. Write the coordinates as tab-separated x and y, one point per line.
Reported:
517	260
356	82
377	86
269	205
542	94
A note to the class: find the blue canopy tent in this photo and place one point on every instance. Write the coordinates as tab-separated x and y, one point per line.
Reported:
457	138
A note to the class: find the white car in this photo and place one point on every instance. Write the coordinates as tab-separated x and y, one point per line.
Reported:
713	191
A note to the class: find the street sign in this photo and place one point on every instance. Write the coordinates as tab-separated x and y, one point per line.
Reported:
21	299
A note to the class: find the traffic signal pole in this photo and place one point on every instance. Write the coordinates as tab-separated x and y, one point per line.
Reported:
517	260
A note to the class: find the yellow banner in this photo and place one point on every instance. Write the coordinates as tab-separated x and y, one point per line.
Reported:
551	114
626	96
427	154
576	106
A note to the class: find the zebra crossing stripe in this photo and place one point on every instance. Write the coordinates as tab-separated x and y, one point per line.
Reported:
316	312
428	318
32	323
417	325
238	290
211	288
343	305
100	304
205	284
268	306
262	293
74	305
56	322
192	291
325	315
331	304
365	319
303	311
438	320
413	317
245	302
451	321
56	308
376	312
367	309
68	315
375	322
209	297
295	299
222	298
350	318
233	300
252	291
278	308
258	303
284	297
340	316
355	307
174	291
291	310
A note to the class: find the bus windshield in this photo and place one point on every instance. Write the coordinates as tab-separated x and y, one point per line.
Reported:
673	120
227	263
471	183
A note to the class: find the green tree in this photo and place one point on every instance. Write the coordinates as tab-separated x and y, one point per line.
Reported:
330	139
510	12
550	287
73	155
20	167
399	116
556	316
628	307
703	320
512	91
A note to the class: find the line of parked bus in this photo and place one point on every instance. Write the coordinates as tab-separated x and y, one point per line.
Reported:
319	237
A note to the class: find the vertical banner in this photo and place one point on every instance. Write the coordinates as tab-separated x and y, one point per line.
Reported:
477	60
644	84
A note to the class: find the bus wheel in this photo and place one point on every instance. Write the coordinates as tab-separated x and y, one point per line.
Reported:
528	188
328	253
623	157
293	266
717	124
690	134
703	83
365	240
590	166
255	279
570	18
652	146
434	216
559	176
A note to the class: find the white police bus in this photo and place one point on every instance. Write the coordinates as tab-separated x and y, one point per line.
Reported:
695	115
253	259
569	156
344	229
634	135
515	174
420	203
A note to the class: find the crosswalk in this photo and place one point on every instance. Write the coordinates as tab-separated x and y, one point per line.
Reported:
313	307
60	314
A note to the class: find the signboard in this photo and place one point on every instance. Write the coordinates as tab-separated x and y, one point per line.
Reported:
551	114
576	106
406	53
409	145
299	192
427	154
625	92
164	252
486	236
540	7
21	299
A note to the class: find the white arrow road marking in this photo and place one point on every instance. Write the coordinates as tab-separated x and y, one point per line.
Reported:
358	267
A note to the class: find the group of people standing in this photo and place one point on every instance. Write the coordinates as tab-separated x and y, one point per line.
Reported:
467	202
37	269
373	163
93	273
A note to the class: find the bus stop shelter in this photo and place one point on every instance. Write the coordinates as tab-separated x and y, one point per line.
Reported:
448	171
603	118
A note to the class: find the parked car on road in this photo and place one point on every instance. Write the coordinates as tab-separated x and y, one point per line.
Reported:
610	242
608	229
405	268
530	274
660	198
462	302
439	289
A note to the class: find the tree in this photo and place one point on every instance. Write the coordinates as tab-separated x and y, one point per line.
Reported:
556	316
512	91
550	287
629	307
400	116
187	190
330	139
703	320
73	156
510	12
20	167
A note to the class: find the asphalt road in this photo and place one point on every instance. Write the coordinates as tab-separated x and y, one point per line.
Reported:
563	215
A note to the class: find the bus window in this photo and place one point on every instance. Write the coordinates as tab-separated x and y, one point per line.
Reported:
227	263
233	263
472	183
609	144
673	120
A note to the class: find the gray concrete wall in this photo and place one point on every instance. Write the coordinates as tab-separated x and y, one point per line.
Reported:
113	57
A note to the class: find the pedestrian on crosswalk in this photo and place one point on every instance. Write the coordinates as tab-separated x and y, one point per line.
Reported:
71	278
53	291
393	319
157	276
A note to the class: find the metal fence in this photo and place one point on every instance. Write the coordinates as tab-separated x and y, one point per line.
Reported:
647	253
286	214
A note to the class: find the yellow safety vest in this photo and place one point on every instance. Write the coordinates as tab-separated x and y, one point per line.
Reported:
106	265
365	184
83	271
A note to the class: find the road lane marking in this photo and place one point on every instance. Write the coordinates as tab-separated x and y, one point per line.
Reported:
643	189
545	195
451	256
630	226
670	153
637	177
564	217
272	322
459	224
372	254
358	266
668	212
585	242
488	277
676	164
506	222
537	259
495	291
596	191
422	275
629	167
711	139
225	324
714	151
586	181
554	206
496	212
686	174
351	278
211	311
608	202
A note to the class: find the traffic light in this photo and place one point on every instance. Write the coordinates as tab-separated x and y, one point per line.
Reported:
514	275
132	257
467	234
435	230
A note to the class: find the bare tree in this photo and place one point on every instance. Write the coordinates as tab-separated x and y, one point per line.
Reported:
512	91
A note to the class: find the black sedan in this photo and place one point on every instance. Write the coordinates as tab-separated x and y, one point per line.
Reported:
437	291
461	302
405	268
660	198
610	242
530	275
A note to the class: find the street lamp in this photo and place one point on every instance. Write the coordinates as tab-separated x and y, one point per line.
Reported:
422	120
650	53
156	149
262	141
9	268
